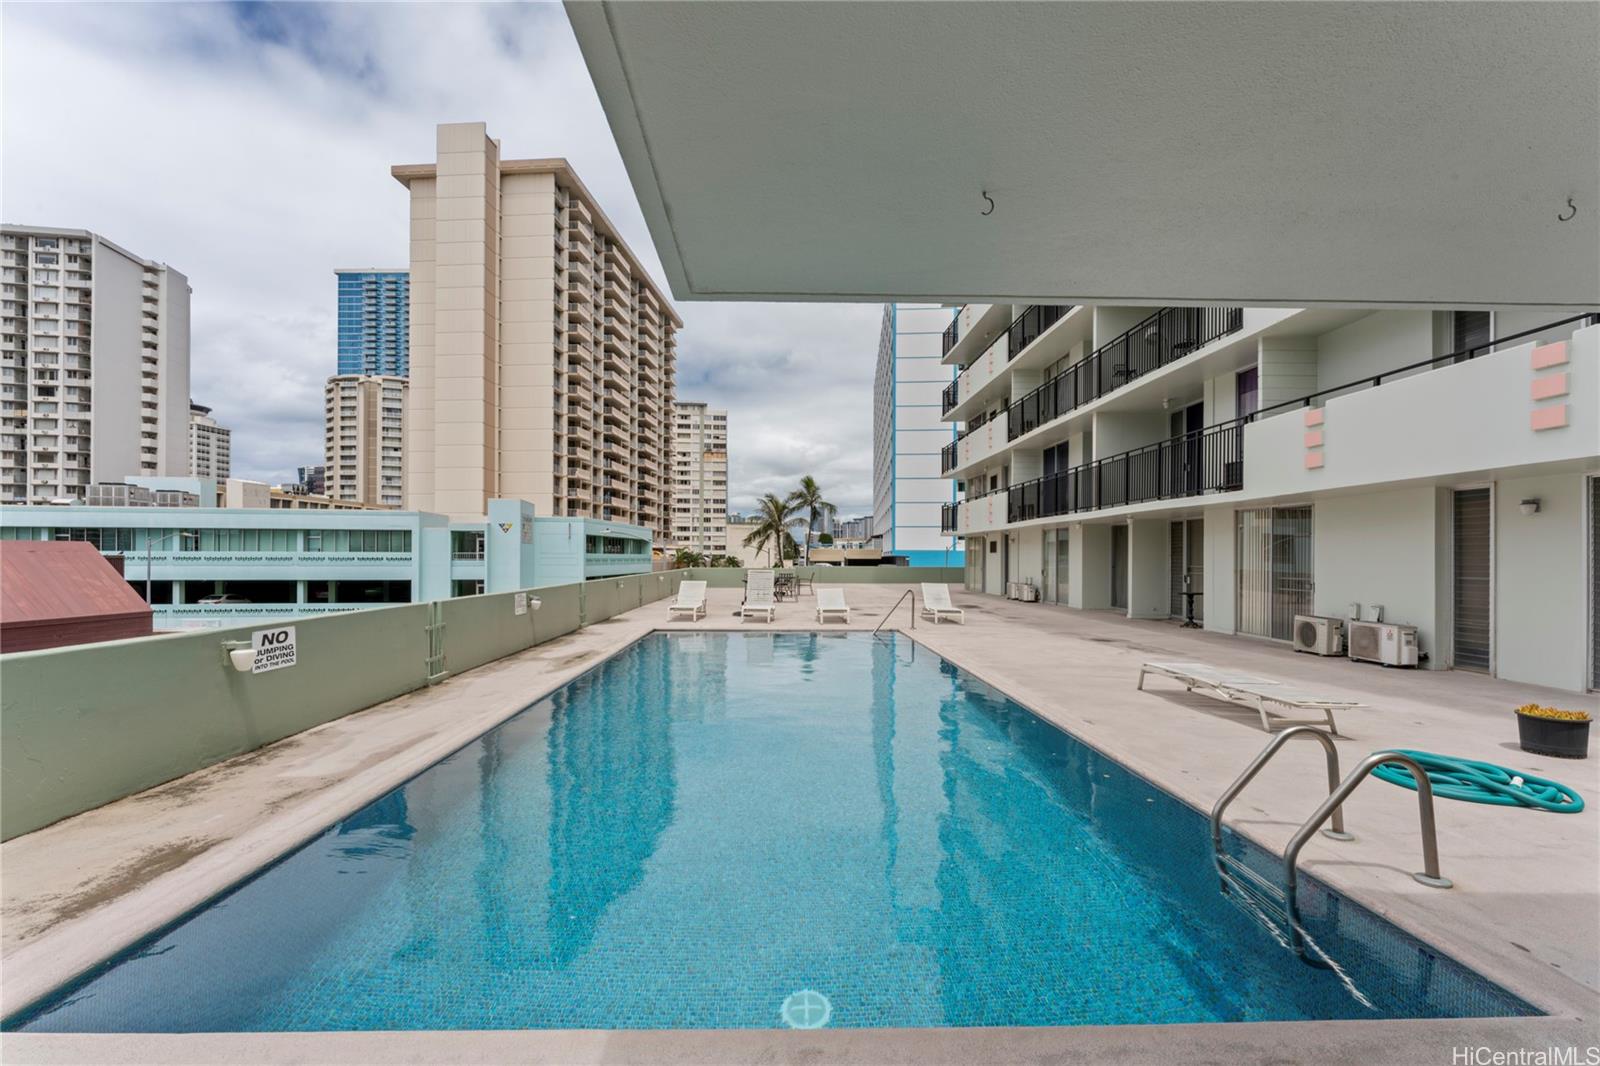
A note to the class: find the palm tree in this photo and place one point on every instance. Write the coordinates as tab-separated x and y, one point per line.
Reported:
687	557
774	516
808	497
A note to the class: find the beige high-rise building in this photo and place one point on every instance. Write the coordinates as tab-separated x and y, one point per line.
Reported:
364	439
210	444
542	354
699	478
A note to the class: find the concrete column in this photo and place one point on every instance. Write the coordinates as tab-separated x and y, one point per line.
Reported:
1149	577
1221	569
300	591
1089	560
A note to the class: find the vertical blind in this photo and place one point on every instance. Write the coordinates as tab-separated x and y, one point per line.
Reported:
1275	570
1471	537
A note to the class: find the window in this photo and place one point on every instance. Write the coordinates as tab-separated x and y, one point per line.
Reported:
466	544
358	540
241	540
107	540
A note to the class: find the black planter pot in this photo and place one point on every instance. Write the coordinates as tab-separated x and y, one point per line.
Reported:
1552	736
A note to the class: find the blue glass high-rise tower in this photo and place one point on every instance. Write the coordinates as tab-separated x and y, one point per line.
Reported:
374	321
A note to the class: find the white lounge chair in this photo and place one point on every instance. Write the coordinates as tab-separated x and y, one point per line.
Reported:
760	598
936	604
1236	686
691	601
831	601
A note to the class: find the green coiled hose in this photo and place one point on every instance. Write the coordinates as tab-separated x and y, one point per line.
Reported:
1483	782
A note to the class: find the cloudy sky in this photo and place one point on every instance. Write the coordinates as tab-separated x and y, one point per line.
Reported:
249	146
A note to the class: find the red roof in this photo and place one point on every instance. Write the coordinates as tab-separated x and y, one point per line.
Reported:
44	583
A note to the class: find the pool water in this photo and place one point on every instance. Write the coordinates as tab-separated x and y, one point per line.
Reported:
718	830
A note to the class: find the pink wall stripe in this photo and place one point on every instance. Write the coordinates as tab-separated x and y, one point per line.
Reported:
1313	460
1314	416
1548	417
1549	355
1314	438
1549	386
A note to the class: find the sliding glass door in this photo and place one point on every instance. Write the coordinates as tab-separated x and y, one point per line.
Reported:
1275	574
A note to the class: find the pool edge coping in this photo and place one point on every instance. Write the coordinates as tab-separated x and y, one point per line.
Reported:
1336	1043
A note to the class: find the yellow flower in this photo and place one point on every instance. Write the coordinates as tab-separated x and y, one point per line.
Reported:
1534	710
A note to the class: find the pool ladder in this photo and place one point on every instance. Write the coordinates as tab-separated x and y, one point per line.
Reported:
1235	874
890	612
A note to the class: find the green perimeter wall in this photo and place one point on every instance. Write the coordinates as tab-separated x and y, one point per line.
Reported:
86	725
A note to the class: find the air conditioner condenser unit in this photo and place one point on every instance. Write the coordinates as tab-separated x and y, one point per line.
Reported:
1318	635
1383	642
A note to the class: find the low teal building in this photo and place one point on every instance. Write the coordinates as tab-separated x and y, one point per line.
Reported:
260	563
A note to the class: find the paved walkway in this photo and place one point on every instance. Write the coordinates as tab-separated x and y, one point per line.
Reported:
1526	903
1526	909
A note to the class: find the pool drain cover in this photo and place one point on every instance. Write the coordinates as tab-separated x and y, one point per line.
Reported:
806	1009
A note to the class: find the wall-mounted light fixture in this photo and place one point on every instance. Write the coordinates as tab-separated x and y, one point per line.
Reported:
1529	507
241	654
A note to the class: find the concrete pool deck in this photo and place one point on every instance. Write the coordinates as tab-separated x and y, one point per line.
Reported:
1525	910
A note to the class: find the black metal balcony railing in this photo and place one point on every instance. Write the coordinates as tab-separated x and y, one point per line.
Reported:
1021	332
951	334
1193	464
1026	327
947	457
947	518
1163	338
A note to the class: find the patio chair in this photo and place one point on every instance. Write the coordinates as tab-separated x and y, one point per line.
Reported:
936	604
691	601
1236	686
760	597
831	601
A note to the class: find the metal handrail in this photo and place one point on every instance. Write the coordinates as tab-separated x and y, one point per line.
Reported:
890	613
1336	833
1461	356
1430	845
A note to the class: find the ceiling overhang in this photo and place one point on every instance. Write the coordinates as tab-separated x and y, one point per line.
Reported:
1349	154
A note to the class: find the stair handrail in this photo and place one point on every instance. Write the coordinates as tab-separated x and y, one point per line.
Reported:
1335	833
890	613
1429	876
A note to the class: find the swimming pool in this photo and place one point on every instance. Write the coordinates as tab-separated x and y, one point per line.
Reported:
730	830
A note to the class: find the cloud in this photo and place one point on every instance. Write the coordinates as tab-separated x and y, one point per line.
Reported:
249	146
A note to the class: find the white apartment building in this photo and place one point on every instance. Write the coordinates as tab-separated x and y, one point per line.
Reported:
364	439
542	353
210	444
908	488
94	364
1438	468
699	478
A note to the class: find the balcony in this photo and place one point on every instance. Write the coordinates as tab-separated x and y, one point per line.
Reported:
976	443
952	333
1165	337
983	377
1193	464
1445	403
1028	326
